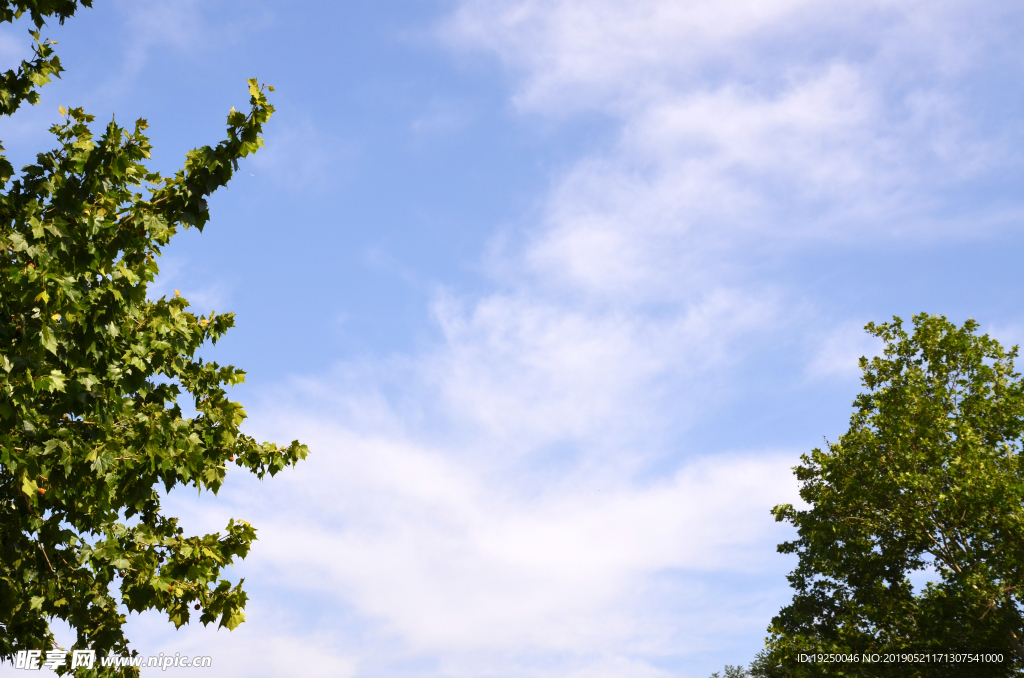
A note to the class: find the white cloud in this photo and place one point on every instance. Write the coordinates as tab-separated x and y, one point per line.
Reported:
537	371
154	22
575	53
757	119
302	158
442	117
454	559
175	277
521	490
271	643
702	185
187	27
841	350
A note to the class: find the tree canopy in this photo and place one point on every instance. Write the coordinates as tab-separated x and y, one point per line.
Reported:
91	373
911	538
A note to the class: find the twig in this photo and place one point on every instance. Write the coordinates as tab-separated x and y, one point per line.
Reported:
47	557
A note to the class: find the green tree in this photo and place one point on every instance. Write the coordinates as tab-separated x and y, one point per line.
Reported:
928	480
91	370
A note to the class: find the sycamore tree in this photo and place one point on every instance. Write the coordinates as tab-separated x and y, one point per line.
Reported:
92	369
912	538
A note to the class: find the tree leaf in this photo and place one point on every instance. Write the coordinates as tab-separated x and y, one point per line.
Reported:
49	339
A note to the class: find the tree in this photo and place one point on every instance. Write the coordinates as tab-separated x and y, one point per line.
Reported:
928	482
91	370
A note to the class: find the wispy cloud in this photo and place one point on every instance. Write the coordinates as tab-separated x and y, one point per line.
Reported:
189	27
442	116
840	351
527	367
761	120
468	562
175	276
302	157
520	494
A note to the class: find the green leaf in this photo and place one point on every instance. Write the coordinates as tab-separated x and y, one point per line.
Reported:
49	339
29	486
232	621
54	382
102	461
236	118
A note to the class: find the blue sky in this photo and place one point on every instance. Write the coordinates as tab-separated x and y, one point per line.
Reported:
556	293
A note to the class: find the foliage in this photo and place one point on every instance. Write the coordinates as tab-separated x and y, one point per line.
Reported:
91	370
732	672
927	481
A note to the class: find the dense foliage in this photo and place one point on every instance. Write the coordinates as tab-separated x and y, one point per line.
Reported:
91	370
912	541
